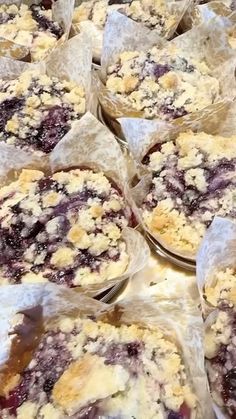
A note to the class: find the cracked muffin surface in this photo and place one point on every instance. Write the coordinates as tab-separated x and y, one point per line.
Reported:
64	228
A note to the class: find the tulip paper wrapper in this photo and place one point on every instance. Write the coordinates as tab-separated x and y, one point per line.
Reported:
87	144
122	34
48	303
71	62
62	11
174	8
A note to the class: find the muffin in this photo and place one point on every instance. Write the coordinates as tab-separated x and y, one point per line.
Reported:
220	341
85	368
64	228
30	26
193	179
37	110
162	83
154	14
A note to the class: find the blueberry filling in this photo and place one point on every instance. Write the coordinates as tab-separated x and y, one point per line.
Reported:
44	23
8	108
52	129
5	17
161	69
172	113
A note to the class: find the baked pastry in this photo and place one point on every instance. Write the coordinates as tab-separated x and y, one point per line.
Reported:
155	14
89	369
162	83
38	110
193	179
220	342
32	27
64	228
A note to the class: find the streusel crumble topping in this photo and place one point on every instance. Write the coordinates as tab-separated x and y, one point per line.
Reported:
65	228
89	369
32	27
152	13
162	83
193	179
36	110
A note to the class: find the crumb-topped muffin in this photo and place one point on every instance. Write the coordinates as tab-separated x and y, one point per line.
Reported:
220	341
89	369
155	14
193	179
32	27
162	83
65	228
36	110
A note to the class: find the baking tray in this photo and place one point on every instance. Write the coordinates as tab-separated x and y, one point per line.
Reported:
171	257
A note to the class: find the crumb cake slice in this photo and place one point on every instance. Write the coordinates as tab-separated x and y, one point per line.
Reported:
154	14
220	341
193	179
162	83
88	369
65	228
36	110
31	27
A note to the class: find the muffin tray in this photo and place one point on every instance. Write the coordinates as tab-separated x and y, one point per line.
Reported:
161	251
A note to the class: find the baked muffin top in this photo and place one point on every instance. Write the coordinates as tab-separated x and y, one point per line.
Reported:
162	83
155	14
64	228
84	368
36	110
193	179
32	27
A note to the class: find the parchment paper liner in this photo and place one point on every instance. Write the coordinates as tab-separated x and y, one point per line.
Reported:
62	12
198	14
88	144
217	252
143	134
123	34
71	62
179	320
176	9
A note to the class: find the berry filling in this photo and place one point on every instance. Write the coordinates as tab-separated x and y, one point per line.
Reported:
44	23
